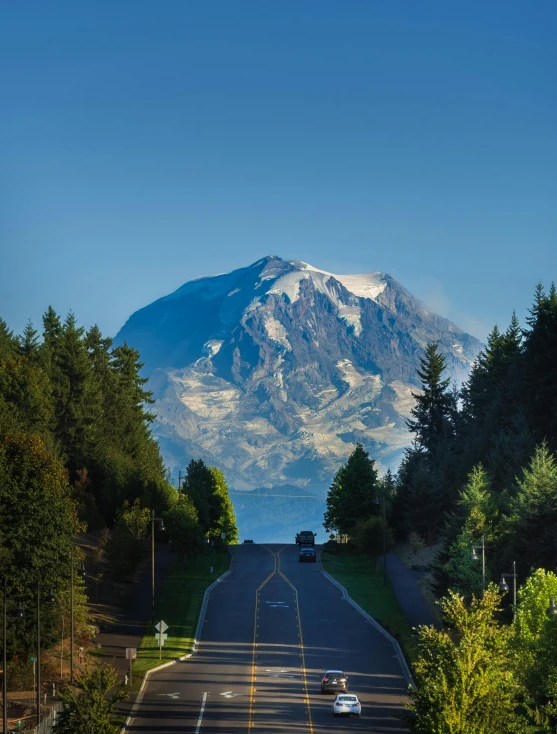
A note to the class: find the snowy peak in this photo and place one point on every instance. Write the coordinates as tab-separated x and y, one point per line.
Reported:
273	371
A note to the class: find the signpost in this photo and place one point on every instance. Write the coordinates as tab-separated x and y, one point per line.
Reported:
131	654
161	628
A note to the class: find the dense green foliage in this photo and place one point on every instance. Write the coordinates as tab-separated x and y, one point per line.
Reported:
88	708
483	468
465	679
76	452
353	493
483	458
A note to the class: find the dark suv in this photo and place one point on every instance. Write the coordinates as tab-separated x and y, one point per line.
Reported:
334	681
308	554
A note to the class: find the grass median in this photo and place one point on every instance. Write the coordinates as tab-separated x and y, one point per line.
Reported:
365	585
178	604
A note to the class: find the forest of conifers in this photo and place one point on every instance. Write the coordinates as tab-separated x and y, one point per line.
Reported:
481	473
76	454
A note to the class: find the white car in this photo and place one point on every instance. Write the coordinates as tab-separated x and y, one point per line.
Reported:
346	703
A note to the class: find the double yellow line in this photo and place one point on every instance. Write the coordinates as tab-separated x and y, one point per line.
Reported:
275	570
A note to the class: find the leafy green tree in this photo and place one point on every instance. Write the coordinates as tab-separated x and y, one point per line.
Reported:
201	486
227	520
88	708
368	536
353	493
181	522
127	546
535	646
464	678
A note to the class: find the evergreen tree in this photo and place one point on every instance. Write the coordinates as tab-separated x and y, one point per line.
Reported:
534	513
432	414
353	494
427	470
8	343
540	356
29	342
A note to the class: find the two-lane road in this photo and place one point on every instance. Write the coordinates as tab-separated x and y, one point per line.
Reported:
272	627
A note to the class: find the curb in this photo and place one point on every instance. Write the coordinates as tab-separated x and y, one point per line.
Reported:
203	610
394	642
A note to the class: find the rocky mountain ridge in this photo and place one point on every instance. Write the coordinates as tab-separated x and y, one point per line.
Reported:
273	372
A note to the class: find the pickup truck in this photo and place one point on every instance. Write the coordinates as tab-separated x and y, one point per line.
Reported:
306	537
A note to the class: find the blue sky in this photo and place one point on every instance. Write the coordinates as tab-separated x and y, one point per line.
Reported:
147	143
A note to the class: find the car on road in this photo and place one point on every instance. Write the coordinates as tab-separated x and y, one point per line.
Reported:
248	541
308	554
346	705
334	681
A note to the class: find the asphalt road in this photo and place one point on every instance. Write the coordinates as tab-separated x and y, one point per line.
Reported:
272	627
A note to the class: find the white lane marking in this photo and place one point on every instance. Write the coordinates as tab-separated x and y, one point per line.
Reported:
203	702
229	694
170	695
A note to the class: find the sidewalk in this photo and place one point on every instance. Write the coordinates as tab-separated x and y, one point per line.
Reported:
404	582
129	631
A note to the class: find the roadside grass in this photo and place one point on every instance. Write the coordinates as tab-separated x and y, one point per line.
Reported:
365	586
179	605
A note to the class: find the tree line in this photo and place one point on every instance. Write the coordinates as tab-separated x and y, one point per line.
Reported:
77	453
481	470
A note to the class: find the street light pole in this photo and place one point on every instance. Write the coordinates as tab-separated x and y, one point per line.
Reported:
5	665
71	617
159	519
20	613
474	557
384	543
82	574
38	652
503	586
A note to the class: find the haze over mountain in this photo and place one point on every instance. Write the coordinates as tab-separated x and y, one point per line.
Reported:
274	371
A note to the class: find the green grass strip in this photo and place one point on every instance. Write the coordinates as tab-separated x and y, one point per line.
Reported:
366	587
179	604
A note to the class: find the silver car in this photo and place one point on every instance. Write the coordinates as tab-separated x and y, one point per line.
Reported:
346	704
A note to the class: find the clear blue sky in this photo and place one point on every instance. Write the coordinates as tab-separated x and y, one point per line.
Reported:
147	143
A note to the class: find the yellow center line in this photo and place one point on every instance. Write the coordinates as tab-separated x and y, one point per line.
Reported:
304	674
252	687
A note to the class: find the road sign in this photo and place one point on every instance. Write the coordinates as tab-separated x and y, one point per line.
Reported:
158	638
131	653
32	660
161	626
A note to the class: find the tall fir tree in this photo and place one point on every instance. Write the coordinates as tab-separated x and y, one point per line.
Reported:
353	495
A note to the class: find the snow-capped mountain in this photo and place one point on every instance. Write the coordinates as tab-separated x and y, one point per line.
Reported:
274	371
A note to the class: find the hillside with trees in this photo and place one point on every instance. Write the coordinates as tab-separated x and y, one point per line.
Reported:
481	473
76	454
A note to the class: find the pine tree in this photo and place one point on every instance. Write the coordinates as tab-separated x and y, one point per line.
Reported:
29	342
534	513
541	365
8	343
353	495
431	421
